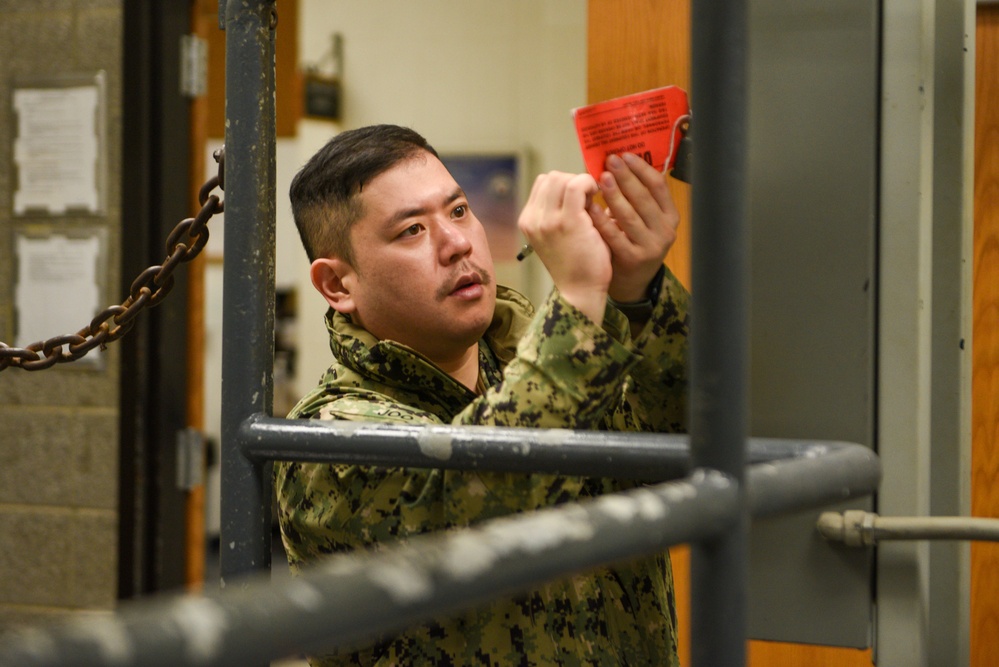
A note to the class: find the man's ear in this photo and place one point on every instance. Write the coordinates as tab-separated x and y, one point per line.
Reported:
333	277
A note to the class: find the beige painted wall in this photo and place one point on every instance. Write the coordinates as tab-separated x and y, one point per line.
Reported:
474	75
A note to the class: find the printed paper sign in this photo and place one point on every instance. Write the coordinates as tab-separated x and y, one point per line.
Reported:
56	150
644	124
57	285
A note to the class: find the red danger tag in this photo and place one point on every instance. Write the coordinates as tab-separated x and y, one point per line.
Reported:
642	123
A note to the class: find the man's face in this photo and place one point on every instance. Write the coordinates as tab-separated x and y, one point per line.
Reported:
422	274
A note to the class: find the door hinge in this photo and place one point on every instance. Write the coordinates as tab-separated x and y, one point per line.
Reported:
190	459
193	66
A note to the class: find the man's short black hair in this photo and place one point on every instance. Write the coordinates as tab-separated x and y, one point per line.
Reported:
324	192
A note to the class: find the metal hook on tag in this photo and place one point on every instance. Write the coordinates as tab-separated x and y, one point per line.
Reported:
684	158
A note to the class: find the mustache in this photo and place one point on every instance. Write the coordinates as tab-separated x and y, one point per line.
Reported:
481	274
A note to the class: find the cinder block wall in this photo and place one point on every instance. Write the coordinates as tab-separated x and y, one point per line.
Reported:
58	427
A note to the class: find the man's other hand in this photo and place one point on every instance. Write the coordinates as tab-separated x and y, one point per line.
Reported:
639	224
557	221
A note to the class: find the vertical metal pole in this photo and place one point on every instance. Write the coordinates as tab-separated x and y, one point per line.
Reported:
248	303
719	346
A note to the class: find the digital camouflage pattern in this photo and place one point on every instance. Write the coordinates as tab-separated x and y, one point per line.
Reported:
557	370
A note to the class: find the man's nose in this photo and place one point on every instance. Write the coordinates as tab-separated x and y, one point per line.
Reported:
454	243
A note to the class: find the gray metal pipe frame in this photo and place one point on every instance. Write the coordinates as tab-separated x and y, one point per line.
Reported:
783	474
719	315
718	364
645	456
248	275
637	456
353	598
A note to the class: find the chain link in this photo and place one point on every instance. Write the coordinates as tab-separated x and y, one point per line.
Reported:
183	244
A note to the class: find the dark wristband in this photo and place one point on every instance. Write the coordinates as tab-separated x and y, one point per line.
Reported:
641	311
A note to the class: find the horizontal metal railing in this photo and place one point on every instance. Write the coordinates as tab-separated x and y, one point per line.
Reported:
783	473
355	597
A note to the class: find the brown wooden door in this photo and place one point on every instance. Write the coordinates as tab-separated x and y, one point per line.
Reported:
204	23
985	341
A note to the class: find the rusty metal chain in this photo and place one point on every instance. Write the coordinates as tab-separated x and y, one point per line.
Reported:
183	244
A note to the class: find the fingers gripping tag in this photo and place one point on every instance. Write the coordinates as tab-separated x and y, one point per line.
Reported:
649	124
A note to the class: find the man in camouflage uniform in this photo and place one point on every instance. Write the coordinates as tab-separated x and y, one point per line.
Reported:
422	335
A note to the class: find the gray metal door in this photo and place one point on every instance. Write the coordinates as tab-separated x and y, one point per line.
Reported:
814	109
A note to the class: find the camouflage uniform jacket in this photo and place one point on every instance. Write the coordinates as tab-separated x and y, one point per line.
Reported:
557	370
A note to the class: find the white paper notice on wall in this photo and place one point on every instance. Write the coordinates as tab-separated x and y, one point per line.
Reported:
58	286
57	150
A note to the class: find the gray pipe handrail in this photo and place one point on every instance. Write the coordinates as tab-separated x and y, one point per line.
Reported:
851	469
355	597
351	598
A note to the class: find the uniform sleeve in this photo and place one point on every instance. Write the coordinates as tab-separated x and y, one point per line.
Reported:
570	373
654	397
567	373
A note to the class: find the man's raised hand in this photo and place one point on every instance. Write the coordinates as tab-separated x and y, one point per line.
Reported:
557	221
639	224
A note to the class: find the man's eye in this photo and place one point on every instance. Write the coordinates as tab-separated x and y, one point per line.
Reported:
460	211
412	230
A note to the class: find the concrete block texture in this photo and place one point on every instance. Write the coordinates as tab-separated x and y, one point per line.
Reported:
14	617
65	458
30	35
45	40
59	435
58	558
47	6
64	385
